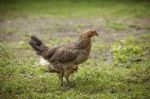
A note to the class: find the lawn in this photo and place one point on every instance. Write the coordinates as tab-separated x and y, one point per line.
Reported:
118	66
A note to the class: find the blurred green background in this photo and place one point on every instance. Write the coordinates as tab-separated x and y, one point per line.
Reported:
76	8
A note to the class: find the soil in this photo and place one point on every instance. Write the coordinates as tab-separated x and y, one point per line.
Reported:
47	27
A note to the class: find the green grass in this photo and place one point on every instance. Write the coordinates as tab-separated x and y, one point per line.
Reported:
22	77
118	66
74	9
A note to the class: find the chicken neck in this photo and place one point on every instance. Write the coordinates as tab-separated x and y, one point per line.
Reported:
85	42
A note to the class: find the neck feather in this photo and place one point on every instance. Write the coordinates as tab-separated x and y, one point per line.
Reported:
85	41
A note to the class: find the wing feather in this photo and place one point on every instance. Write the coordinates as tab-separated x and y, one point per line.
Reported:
65	54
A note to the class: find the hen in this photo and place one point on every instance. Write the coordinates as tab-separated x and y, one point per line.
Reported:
65	58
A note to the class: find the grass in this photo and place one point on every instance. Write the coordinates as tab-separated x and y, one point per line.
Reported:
75	9
118	66
23	78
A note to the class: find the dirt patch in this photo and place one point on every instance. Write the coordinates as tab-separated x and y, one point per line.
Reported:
45	27
9	36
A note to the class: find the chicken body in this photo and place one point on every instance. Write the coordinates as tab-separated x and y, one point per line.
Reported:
65	58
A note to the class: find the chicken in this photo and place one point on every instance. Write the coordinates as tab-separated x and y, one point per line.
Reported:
64	59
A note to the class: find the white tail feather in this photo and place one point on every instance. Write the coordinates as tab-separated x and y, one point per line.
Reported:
43	61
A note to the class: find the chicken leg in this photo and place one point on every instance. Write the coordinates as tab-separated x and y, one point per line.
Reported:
61	75
69	71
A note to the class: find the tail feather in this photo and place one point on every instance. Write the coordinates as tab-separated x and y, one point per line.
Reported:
37	45
36	40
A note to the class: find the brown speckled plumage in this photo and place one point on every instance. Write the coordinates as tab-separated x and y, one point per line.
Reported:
65	58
